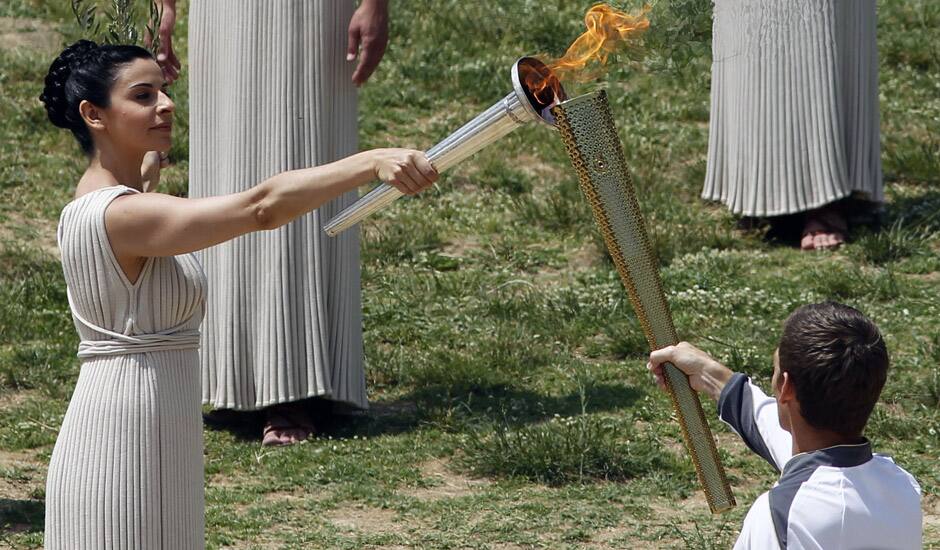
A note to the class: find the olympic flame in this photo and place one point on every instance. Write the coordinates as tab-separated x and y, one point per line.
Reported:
607	29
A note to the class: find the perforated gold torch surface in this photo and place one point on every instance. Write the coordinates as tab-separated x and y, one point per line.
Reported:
590	136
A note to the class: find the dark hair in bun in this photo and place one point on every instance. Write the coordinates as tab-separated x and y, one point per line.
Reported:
84	71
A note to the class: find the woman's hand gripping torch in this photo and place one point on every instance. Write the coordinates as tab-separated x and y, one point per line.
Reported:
535	91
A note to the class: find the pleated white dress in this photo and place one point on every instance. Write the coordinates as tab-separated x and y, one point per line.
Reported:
794	105
126	471
270	90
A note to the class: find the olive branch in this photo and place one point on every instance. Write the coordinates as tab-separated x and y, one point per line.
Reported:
122	17
681	35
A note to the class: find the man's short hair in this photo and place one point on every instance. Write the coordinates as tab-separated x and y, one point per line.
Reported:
838	363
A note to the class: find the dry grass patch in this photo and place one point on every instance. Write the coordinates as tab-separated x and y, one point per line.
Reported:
12	399
41	234
28	34
620	536
932	277
443	483
581	259
365	519
461	246
690	524
22	484
16	489
931	508
540	170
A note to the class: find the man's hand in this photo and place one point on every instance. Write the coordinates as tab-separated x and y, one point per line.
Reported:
165	56
368	36
705	374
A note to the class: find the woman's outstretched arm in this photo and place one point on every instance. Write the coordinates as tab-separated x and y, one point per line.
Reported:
153	224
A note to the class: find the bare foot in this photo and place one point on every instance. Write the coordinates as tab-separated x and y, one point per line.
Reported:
285	425
825	229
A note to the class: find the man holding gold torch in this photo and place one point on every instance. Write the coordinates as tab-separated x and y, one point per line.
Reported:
833	492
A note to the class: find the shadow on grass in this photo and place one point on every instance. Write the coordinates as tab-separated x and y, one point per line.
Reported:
436	404
522	406
243	425
455	408
329	419
21	516
787	230
921	210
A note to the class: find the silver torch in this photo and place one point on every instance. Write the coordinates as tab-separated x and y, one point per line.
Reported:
535	90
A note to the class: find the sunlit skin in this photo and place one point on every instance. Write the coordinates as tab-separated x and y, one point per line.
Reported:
706	375
139	120
130	133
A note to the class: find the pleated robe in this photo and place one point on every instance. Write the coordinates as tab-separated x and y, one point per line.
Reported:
126	472
794	105
270	90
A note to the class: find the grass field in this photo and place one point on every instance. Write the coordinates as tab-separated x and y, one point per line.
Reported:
511	406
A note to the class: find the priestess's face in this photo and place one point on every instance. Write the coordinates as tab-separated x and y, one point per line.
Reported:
140	116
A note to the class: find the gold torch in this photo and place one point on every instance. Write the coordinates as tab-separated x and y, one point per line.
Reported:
590	136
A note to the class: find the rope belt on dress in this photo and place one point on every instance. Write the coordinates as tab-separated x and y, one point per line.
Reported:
175	338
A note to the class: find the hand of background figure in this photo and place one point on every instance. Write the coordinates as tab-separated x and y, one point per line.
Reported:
166	58
407	170
705	374
368	36
150	169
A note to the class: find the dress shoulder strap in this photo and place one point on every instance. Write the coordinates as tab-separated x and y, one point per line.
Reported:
82	235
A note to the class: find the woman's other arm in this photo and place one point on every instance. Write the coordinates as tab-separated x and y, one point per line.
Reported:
166	58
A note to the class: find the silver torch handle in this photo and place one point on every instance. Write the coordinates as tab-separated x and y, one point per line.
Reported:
501	118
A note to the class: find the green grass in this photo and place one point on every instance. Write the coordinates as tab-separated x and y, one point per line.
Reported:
506	367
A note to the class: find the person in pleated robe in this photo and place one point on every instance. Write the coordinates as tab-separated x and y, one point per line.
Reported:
794	126
272	340
126	472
